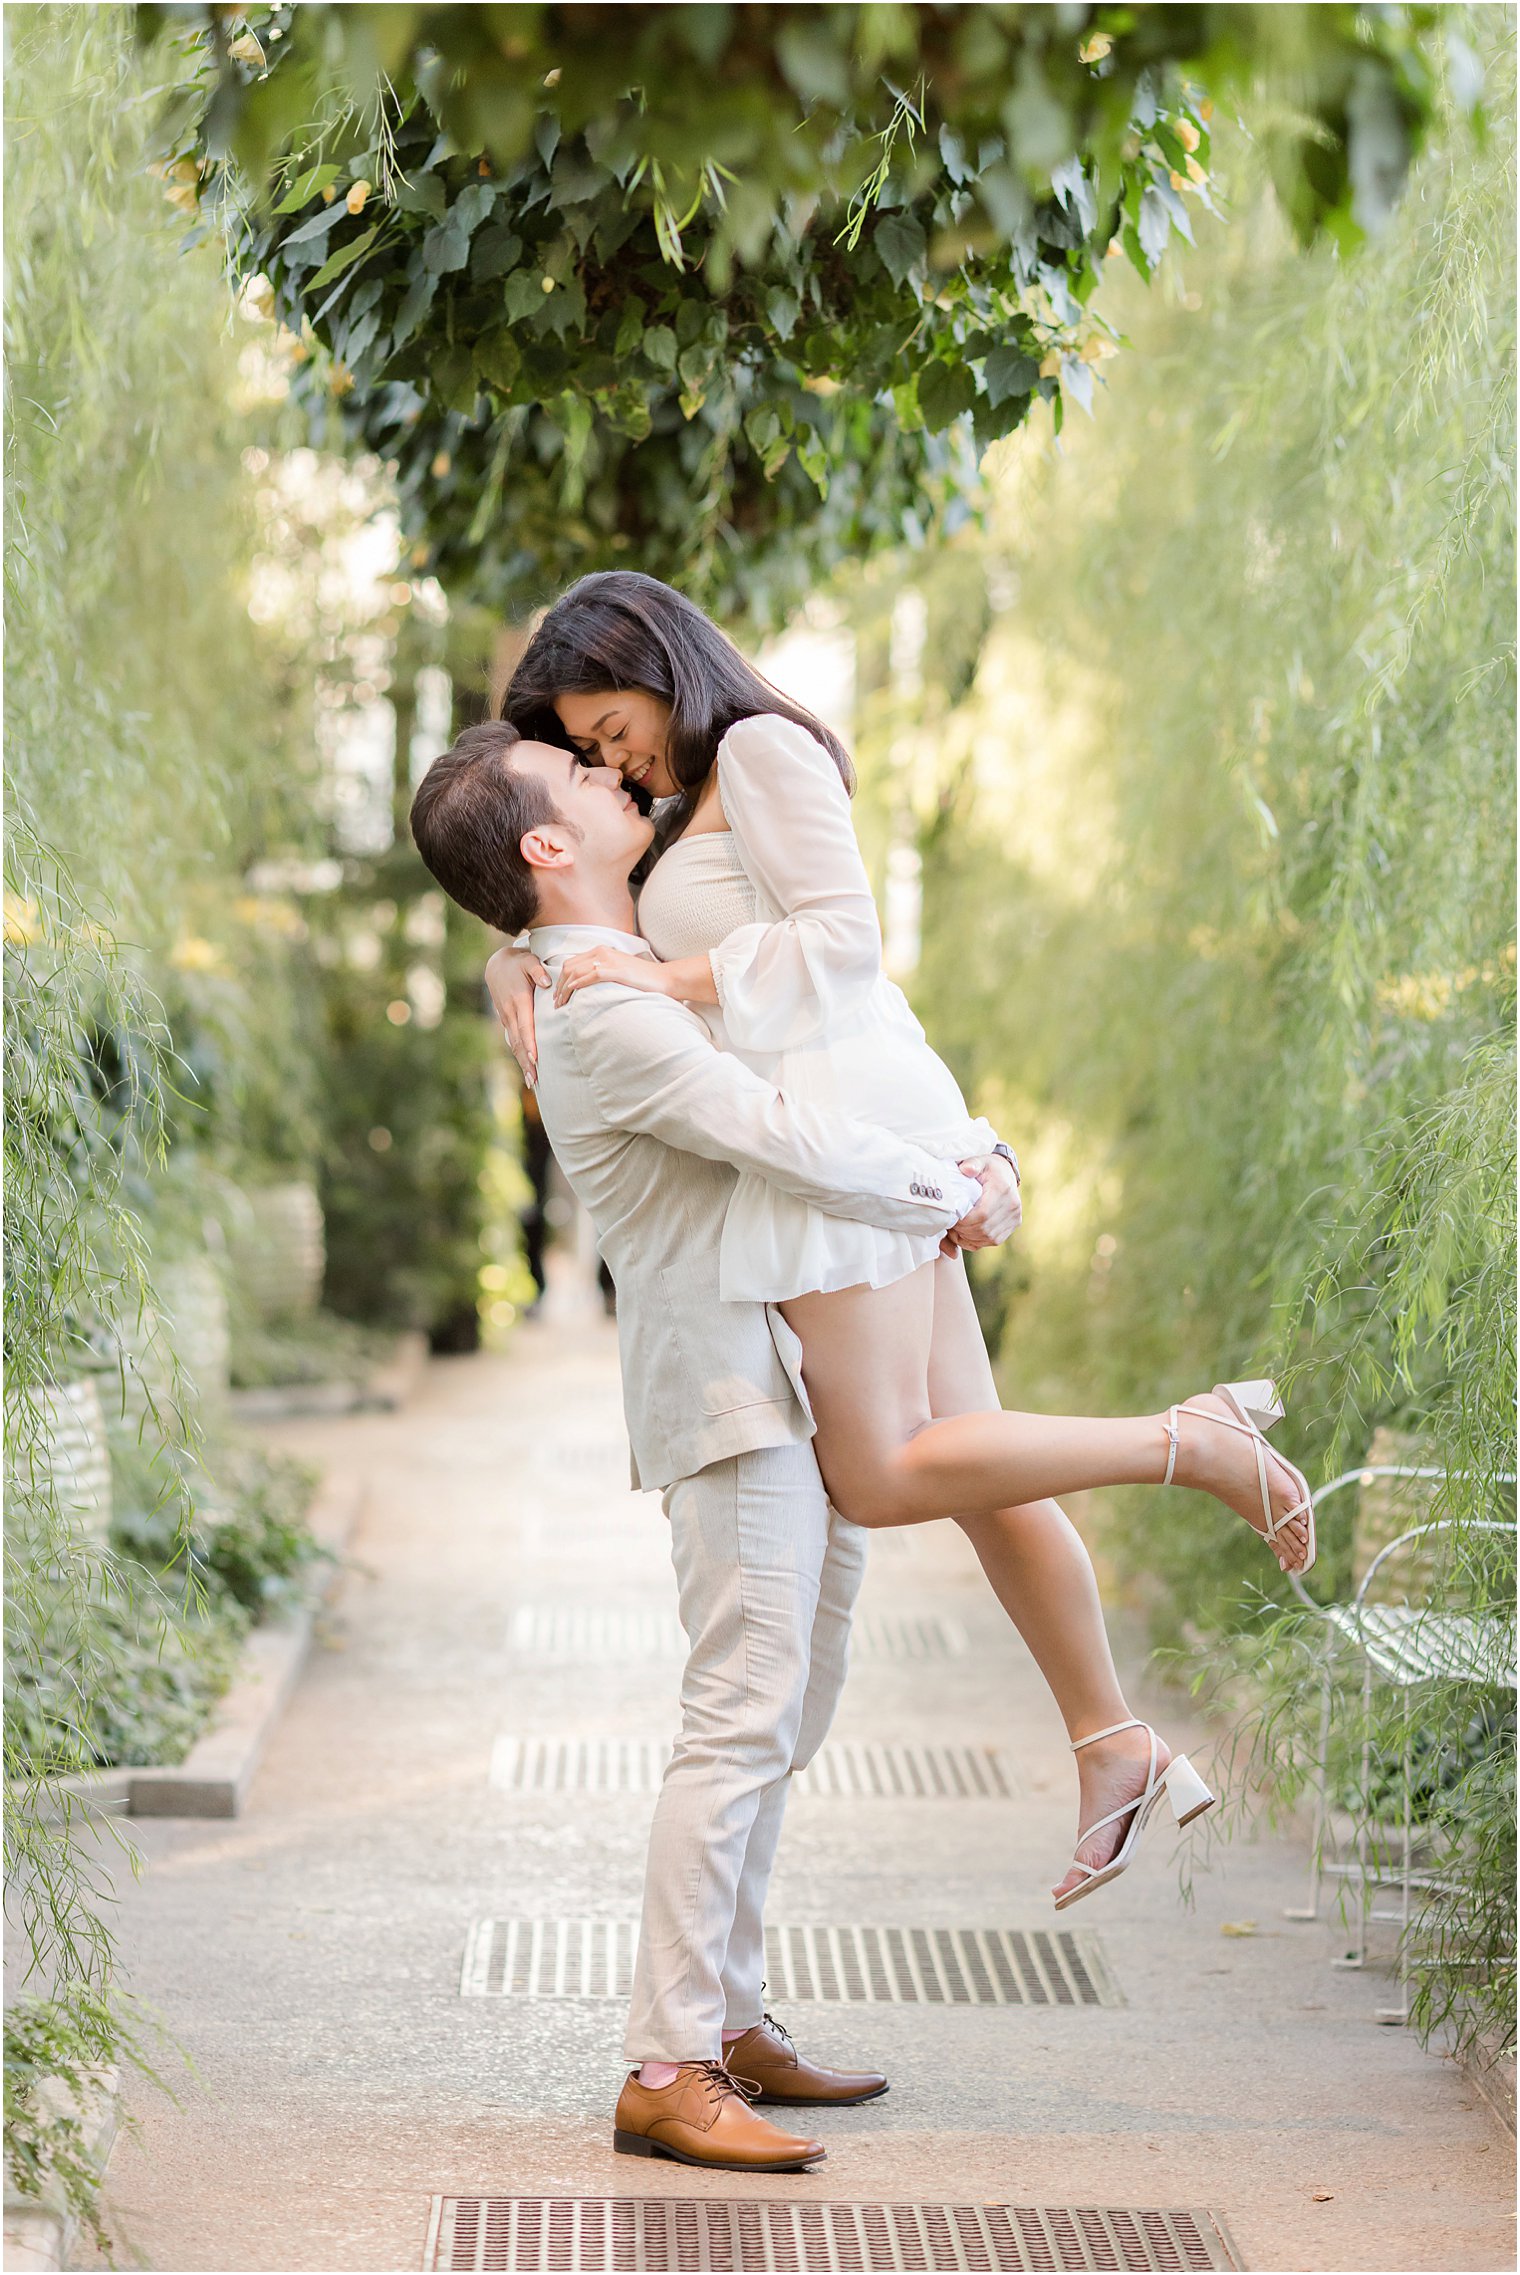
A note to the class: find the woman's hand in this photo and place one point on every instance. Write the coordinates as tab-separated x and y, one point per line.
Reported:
512	976
595	965
688	978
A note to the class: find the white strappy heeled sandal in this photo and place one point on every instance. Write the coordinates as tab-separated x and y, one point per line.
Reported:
1256	1408
1179	1781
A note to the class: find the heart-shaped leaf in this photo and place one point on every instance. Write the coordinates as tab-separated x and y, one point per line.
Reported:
902	246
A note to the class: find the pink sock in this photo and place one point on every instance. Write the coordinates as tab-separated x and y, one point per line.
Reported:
656	2074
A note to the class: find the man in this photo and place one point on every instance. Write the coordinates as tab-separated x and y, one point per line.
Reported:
650	1123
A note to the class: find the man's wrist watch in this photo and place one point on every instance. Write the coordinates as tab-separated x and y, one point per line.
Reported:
1011	1158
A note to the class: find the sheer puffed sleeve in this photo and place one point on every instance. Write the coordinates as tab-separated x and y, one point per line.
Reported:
780	984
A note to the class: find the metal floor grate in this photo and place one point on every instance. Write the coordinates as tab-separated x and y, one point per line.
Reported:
855	1965
549	1959
844	1769
573	1632
541	1631
651	2232
939	1966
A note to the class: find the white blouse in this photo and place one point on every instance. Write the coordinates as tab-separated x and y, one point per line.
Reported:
782	981
781	903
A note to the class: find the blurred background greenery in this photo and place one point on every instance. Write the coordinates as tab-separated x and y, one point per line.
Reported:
1187	780
255	1120
1200	753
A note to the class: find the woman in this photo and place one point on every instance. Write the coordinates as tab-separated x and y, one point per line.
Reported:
759	908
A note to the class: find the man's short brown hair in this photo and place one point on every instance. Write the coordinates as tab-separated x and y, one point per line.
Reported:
472	810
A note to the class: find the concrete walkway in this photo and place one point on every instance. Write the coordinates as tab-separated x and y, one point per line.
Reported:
309	1956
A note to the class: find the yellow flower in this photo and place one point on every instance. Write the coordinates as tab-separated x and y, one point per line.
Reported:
23	921
1051	364
357	196
193	954
1176	179
340	379
1188	135
246	49
548	284
181	180
1196	172
1095	47
441	465
1423	995
278	917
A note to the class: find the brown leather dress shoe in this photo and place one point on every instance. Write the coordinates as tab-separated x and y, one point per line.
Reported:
765	2059
703	2117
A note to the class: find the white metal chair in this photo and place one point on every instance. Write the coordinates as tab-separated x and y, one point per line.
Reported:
1405	1645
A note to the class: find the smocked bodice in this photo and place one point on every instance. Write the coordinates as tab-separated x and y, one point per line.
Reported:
696	894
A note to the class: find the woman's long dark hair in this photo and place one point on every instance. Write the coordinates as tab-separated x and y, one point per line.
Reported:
618	629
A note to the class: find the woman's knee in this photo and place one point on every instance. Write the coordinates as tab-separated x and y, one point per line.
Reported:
877	1509
875	1497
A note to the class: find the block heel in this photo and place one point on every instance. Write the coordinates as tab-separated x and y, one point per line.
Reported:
1182	1786
1185	1790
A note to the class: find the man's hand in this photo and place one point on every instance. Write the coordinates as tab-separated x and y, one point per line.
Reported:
512	975
996	1215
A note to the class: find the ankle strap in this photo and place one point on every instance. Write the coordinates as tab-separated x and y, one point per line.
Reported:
1134	1723
1170	1426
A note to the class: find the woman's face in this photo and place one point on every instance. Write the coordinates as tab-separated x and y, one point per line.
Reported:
625	728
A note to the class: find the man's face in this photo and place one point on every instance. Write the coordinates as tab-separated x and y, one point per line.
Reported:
609	831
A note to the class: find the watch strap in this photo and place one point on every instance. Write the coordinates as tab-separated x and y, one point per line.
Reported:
1011	1158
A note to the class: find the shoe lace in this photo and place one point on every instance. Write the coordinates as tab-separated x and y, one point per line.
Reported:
769	2022
721	2082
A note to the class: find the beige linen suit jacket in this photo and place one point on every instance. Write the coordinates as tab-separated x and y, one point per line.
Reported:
650	1123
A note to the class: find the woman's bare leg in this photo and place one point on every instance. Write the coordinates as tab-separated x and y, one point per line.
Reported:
1042	1576
1034	1556
887	1460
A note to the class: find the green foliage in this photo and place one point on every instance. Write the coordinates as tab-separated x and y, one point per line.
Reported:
129	1686
128	1679
323	1348
1219	886
147	758
730	296
407	1114
249	1549
56	2055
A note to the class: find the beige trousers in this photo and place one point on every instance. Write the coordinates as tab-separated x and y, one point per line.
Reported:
768	1576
